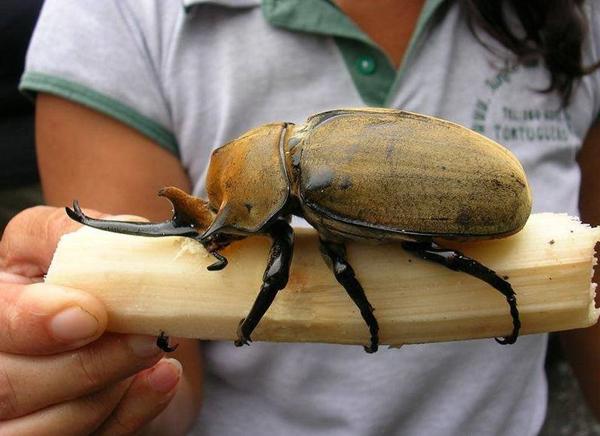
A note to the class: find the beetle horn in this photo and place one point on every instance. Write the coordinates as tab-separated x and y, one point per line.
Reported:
220	221
188	210
167	228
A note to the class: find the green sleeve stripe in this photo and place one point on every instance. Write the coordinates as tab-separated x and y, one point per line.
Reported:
38	82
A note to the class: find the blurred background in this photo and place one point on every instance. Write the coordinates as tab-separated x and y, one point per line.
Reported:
19	188
19	185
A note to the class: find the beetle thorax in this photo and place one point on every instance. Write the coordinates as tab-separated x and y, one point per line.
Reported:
247	182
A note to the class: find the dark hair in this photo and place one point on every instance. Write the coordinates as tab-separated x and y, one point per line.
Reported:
554	32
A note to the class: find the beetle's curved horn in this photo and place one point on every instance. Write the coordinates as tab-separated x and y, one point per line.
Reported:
188	210
191	216
167	228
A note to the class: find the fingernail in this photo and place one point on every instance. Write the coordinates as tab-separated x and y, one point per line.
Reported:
143	345
73	324
165	375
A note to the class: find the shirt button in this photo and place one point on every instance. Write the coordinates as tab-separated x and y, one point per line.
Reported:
366	65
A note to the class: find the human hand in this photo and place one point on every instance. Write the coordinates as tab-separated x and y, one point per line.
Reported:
59	372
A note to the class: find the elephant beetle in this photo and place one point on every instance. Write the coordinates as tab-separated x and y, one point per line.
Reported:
354	174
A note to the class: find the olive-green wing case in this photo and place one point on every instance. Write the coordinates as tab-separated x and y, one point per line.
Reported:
401	172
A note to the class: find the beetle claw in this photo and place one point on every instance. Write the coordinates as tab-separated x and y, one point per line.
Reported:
507	340
76	213
219	264
241	342
162	342
371	348
242	338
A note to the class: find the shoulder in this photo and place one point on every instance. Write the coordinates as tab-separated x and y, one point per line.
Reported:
106	55
110	18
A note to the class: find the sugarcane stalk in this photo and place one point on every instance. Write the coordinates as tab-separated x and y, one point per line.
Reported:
151	285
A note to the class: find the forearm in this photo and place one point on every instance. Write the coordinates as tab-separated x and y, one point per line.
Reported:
582	347
579	346
118	171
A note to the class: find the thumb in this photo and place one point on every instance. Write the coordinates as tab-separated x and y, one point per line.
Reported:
30	239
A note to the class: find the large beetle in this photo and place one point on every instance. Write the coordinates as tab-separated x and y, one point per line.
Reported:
363	174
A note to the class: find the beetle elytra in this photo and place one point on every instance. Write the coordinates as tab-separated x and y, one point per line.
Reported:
366	174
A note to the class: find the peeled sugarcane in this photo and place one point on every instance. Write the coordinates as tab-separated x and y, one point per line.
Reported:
151	285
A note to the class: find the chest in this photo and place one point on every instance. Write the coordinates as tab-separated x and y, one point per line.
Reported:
390	24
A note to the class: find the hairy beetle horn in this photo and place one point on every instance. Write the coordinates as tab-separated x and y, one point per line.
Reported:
187	209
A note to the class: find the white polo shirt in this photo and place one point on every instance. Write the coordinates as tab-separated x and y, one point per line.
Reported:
192	78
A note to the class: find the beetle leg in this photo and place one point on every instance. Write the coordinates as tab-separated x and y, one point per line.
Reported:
219	264
457	261
274	279
162	342
335	256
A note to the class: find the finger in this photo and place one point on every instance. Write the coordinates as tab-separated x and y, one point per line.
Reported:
10	278
45	319
30	239
148	395
28	384
77	417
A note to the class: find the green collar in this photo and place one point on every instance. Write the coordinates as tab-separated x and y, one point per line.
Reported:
374	76
312	16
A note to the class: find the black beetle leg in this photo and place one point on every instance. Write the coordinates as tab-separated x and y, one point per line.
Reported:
335	255
275	278
219	264
162	342
457	261
167	228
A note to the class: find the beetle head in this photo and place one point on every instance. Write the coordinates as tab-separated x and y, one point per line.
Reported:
247	183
